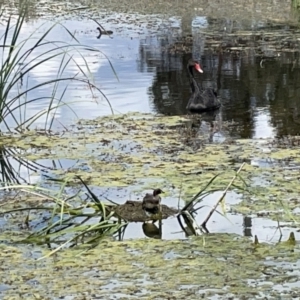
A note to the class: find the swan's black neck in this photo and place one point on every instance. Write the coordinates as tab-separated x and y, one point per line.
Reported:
193	84
100	33
190	68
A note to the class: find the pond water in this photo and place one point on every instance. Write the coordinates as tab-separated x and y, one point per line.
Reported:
250	54
256	78
254	66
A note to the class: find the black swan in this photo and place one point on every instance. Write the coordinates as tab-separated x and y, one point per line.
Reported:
107	32
201	99
151	203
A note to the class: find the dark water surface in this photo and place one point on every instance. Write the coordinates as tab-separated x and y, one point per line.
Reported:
257	77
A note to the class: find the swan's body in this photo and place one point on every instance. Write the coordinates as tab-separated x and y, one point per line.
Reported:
201	99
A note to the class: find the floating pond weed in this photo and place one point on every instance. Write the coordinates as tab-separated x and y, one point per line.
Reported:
138	151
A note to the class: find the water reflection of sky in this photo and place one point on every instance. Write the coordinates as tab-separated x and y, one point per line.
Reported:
262	125
127	94
138	62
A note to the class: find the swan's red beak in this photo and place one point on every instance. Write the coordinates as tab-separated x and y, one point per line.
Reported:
198	68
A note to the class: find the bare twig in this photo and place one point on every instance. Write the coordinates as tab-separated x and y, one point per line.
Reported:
222	197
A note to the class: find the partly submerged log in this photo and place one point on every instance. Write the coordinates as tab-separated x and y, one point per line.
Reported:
131	211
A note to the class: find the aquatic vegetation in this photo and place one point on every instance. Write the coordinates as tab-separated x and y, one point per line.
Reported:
65	220
70	220
123	150
22	56
221	264
136	151
127	149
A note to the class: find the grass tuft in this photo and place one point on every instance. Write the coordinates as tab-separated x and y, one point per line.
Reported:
20	57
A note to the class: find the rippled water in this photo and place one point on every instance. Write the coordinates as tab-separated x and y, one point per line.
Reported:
259	91
260	96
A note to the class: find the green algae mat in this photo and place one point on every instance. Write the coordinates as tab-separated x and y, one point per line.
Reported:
217	266
142	150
